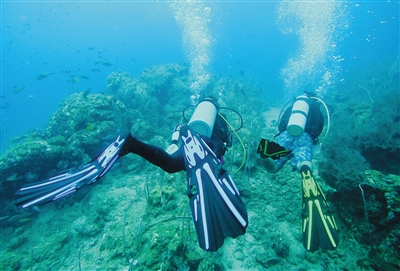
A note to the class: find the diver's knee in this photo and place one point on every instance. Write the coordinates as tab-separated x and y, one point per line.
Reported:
269	165
303	163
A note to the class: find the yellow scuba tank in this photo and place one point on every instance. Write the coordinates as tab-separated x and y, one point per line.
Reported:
298	117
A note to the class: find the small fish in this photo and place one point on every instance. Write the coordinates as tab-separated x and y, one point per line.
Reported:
43	75
98	62
12	178
74	79
90	48
86	92
15	218
25	220
18	89
106	63
4	217
36	209
95	70
100	52
68	71
85	77
5	106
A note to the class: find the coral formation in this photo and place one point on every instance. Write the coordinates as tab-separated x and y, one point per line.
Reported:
362	162
137	216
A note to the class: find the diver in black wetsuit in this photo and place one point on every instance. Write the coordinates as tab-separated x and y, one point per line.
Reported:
217	209
173	161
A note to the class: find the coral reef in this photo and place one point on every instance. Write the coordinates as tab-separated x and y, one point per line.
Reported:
362	161
85	120
138	217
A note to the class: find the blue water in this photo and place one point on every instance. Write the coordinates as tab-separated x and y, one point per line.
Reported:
245	40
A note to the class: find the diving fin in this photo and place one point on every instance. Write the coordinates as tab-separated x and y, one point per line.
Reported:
270	149
318	225
64	184
215	202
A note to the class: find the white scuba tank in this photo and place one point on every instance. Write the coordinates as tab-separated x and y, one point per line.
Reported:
203	118
202	121
298	118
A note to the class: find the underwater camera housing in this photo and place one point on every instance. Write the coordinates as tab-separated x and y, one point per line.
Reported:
203	118
298	117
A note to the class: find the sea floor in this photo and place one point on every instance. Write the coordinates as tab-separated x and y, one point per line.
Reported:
134	220
137	217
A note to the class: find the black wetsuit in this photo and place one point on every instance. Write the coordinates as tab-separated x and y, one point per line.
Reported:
168	162
175	162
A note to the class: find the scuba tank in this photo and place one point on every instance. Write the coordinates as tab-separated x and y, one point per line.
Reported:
203	118
313	117
202	121
298	117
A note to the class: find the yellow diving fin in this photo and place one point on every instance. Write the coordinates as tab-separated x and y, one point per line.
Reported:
318	225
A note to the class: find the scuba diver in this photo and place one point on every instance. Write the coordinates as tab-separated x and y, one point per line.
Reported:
299	128
197	147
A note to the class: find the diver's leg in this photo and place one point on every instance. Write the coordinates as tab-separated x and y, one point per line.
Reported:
302	150
318	224
168	162
270	165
